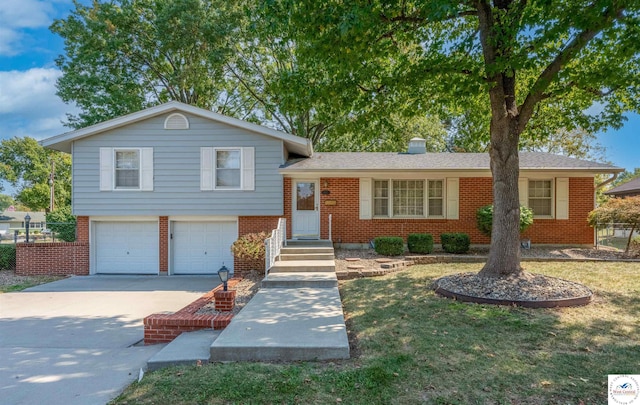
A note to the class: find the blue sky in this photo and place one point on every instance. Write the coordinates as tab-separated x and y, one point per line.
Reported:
29	106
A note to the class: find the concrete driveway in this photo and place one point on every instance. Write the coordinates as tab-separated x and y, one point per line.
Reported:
78	340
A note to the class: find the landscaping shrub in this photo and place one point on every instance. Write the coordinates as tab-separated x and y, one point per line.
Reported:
63	223
634	246
455	242
420	243
389	245
250	246
7	257
484	217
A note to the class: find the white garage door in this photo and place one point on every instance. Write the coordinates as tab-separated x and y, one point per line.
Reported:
202	247
126	247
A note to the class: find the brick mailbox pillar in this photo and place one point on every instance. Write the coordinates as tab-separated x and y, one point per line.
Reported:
224	300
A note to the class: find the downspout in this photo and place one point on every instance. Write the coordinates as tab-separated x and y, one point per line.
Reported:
607	181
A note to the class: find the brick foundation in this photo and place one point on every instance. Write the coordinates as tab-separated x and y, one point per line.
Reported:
163	328
57	259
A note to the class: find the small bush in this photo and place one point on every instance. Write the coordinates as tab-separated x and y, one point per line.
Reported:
250	246
634	247
484	217
7	257
63	223
420	243
389	245
455	242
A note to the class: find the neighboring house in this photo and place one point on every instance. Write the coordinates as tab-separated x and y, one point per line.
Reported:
628	189
168	189
11	221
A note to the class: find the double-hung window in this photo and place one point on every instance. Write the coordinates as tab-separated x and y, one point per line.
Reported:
228	170
127	169
540	197
408	198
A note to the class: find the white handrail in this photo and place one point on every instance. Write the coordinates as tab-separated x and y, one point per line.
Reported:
330	227
273	244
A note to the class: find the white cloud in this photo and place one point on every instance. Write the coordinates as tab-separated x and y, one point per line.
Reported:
16	16
29	105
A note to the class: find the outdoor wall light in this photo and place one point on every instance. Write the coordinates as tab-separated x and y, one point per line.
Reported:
223	273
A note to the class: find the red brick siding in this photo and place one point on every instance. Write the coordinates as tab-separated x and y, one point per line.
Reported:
163	224
60	259
82	229
474	193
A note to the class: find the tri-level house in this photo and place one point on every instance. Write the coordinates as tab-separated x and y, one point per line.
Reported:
168	189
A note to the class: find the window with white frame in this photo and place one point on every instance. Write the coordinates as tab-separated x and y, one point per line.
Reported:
127	169
407	198
228	169
540	197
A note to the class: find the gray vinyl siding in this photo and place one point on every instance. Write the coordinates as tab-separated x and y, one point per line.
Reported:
176	161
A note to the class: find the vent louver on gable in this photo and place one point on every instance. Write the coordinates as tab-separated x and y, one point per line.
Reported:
176	121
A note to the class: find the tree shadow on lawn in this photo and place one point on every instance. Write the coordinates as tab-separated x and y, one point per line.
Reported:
466	353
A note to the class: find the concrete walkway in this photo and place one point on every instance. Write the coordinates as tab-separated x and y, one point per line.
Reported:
297	315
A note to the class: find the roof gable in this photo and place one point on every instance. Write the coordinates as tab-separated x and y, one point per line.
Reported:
295	144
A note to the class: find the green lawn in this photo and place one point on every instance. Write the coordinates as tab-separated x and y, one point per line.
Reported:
414	347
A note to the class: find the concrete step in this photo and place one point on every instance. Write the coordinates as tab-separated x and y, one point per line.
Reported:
309	243
300	280
307	256
303	266
305	250
188	348
286	324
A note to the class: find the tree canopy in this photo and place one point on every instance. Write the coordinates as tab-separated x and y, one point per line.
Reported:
618	210
27	166
523	68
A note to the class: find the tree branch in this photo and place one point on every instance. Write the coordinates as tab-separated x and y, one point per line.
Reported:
551	71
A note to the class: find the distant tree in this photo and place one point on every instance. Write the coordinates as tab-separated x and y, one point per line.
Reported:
625	177
26	165
6	201
618	210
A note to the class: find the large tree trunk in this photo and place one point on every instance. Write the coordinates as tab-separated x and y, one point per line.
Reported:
504	255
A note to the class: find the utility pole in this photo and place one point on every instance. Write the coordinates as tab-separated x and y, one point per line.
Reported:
52	191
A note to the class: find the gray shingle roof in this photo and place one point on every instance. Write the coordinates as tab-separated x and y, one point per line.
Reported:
631	186
363	161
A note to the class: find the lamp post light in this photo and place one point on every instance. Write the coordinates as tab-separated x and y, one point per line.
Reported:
27	220
223	273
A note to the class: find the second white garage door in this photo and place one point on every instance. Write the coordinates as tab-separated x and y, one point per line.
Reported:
125	247
202	247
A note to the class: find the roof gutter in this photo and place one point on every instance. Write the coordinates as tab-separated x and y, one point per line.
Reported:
609	180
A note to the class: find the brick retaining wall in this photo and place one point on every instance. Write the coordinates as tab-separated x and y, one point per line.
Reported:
58	259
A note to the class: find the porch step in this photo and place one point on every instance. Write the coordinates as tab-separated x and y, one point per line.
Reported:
286	324
306	256
303	250
300	280
186	349
303	266
312	243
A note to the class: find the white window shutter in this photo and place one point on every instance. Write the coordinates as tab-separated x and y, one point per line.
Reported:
106	169
365	198
523	191
562	198
453	198
206	169
248	168
146	169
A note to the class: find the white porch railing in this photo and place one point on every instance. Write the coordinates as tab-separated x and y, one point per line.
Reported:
274	243
330	219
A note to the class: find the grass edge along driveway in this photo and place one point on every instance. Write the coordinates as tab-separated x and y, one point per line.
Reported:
411	346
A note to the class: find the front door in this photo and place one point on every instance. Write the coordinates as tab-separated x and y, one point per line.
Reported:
306	216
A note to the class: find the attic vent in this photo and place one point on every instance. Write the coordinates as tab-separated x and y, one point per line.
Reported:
417	146
176	121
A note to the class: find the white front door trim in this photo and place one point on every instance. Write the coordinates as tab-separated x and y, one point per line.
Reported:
305	222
